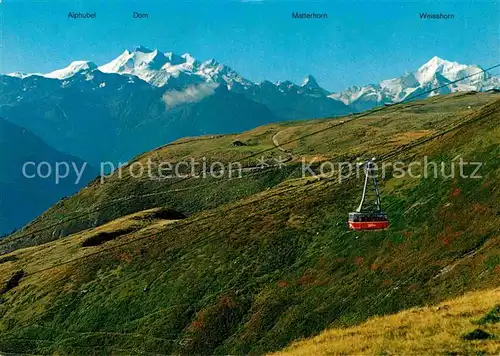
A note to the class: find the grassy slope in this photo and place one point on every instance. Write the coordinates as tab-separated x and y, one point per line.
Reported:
254	274
438	330
375	134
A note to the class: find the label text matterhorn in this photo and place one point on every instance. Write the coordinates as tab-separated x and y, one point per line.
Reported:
304	15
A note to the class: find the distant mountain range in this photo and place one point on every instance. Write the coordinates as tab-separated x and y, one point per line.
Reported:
185	74
435	73
191	80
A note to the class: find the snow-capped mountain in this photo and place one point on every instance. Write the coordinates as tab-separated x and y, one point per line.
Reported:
153	66
285	99
172	70
169	71
435	73
293	101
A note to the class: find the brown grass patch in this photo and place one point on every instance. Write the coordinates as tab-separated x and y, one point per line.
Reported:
433	330
407	137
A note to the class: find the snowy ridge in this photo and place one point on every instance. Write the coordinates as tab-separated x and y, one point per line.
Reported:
174	72
71	70
171	71
435	73
161	69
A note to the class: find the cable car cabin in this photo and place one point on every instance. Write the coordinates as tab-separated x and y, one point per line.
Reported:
369	215
368	221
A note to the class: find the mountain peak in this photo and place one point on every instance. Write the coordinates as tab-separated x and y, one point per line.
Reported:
139	59
438	65
310	83
437	60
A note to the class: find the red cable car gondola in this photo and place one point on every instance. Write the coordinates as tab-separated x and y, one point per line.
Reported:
369	216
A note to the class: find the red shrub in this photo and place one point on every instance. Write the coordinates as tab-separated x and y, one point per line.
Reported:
358	261
282	284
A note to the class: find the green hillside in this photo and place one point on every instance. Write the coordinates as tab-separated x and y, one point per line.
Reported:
375	134
261	261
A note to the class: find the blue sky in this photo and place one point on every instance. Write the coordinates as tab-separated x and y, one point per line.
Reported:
361	42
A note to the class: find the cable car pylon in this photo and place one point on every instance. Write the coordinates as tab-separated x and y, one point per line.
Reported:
369	214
